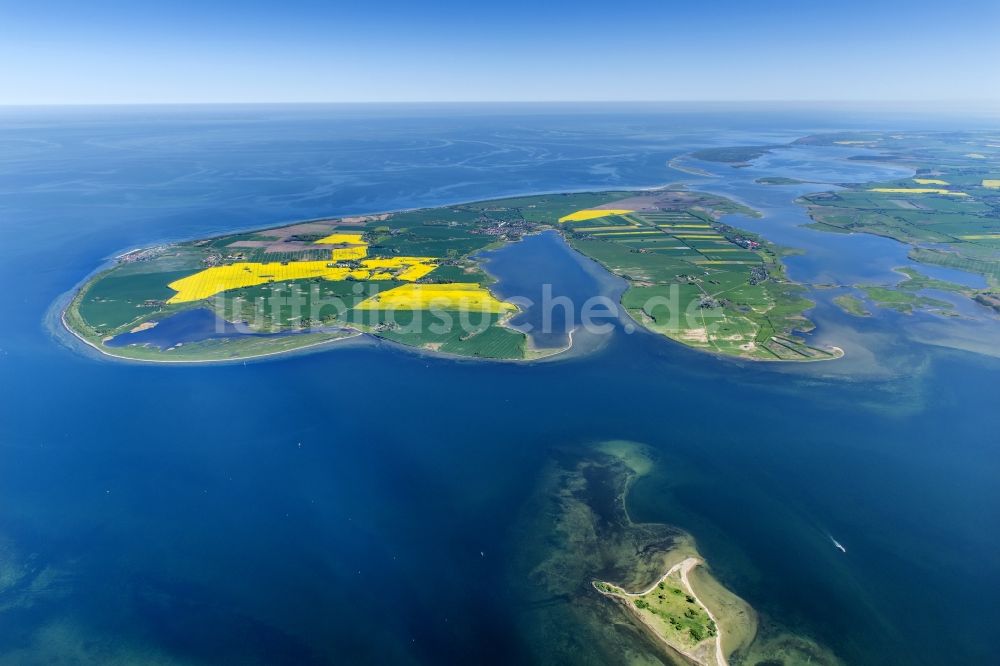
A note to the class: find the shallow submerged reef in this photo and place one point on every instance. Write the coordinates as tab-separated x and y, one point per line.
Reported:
591	578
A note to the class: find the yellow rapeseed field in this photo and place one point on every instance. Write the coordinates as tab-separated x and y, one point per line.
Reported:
217	279
416	271
629	233
395	262
981	237
916	190
619	227
930	181
463	296
342	238
992	183
414	268
213	280
592	213
349	253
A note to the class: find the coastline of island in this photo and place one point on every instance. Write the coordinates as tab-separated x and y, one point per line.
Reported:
666	239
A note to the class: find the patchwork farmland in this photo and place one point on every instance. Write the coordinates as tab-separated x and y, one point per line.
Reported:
692	278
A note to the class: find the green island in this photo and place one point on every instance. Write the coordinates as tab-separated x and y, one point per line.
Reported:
852	305
779	180
903	301
674	614
586	556
416	278
905	296
735	156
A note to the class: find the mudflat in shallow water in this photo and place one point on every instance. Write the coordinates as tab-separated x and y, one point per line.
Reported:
364	503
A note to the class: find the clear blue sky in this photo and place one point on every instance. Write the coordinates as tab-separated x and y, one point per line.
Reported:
113	51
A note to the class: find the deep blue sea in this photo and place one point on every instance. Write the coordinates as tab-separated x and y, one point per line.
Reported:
358	505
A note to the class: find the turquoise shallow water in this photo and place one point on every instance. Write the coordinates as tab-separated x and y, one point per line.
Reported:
358	505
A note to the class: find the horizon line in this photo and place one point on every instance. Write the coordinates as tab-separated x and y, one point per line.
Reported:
992	102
